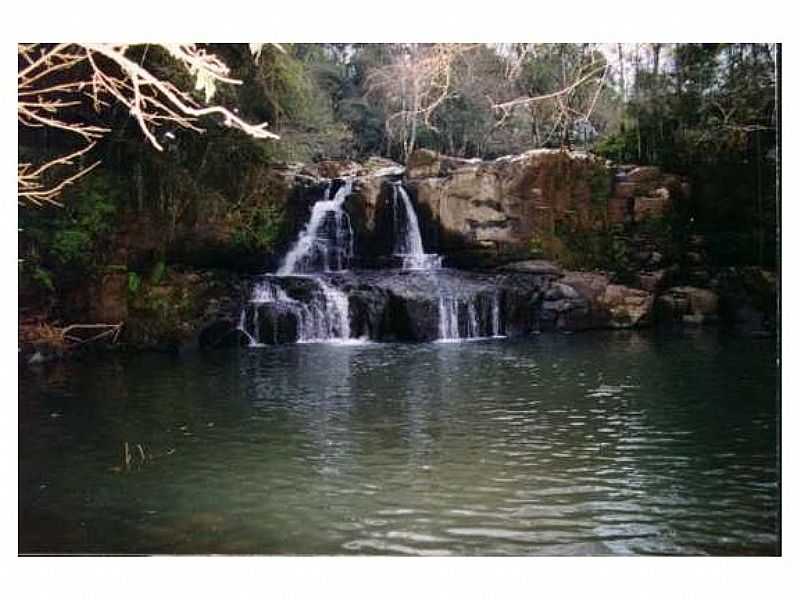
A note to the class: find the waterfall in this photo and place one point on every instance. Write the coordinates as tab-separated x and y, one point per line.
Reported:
304	302
275	316
326	242
468	318
496	315
407	238
337	308
298	304
448	318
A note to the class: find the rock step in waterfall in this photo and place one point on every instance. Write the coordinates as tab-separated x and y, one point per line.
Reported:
389	305
314	297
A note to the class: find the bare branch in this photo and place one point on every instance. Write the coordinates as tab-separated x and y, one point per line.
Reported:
53	79
523	101
29	179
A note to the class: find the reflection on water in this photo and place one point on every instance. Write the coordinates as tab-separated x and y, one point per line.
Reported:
598	443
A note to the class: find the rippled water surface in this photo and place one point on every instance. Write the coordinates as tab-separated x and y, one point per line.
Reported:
598	443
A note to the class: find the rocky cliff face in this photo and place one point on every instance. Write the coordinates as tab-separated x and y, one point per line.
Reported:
490	211
476	213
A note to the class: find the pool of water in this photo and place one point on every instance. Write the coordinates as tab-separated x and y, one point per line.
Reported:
597	443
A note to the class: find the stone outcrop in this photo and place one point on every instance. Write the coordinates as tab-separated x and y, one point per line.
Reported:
689	305
536	267
641	193
486	212
481	209
583	300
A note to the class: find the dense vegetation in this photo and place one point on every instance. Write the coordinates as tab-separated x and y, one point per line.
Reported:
706	111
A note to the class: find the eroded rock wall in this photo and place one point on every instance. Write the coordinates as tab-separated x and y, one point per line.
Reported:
485	212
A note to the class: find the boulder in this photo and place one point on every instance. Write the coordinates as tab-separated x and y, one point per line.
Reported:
335	169
584	300
688	304
642	174
479	208
423	163
378	166
624	189
626	307
620	210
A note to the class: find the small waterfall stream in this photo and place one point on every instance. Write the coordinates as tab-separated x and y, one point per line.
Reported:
471	317
407	237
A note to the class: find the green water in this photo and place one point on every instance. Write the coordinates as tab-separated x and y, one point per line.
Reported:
598	443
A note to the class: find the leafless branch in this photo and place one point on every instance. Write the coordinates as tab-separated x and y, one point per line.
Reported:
52	79
526	100
29	179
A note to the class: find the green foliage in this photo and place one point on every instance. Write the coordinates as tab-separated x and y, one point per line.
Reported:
85	221
711	115
43	278
158	272
536	247
134	282
259	227
69	243
72	246
619	146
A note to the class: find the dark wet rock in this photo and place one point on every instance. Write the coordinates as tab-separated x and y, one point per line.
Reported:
396	305
275	324
223	333
370	312
536	267
687	304
749	299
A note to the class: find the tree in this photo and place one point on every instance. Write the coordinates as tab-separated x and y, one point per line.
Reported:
58	83
566	78
412	86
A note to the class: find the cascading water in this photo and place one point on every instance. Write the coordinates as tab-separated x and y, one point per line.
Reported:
337	314
458	317
470	317
273	316
326	242
448	318
304	301
321	312
407	237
